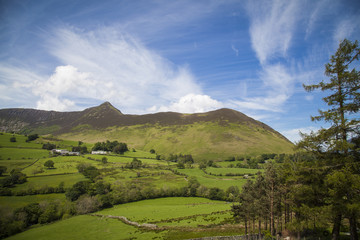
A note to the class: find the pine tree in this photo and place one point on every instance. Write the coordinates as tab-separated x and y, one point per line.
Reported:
333	144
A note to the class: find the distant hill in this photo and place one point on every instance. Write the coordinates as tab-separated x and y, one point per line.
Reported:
216	134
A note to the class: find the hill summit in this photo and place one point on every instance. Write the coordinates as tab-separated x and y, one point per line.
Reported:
211	134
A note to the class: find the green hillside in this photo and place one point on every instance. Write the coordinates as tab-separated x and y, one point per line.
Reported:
212	135
204	140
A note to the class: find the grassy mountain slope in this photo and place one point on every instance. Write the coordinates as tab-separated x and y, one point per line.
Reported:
216	134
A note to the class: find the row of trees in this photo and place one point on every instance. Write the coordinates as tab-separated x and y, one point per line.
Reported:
321	185
114	146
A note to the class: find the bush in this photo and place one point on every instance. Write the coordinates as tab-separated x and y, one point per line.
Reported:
13	139
2	170
104	160
48	146
49	164
32	137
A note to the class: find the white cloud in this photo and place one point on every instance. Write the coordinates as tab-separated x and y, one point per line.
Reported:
108	65
191	103
271	27
345	28
294	134
67	82
278	87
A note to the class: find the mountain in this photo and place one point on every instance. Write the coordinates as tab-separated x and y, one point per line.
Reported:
214	134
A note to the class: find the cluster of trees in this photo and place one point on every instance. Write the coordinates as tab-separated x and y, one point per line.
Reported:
18	220
114	146
134	164
88	171
80	149
32	137
48	146
321	186
15	177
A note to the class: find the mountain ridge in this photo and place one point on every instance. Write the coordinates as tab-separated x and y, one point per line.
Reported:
222	131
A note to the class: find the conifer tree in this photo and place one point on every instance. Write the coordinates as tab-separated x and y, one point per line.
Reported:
333	145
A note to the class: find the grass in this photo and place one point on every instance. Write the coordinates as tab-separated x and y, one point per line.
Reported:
14	202
20	141
213	181
181	214
224	171
86	227
204	140
50	181
22	153
163	209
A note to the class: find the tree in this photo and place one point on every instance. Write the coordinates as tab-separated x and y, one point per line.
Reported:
32	137
2	170
13	139
49	164
333	145
104	160
152	151
120	148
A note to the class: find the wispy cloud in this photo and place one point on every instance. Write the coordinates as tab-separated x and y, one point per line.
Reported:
271	27
121	69
346	27
106	65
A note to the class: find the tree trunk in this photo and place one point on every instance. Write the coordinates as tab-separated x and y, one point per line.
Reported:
336	228
353	227
246	230
259	227
272	225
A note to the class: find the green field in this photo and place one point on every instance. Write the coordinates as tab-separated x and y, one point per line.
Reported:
14	202
180	217
224	171
214	181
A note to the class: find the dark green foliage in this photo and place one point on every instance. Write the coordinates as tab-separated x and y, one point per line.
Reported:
152	151
102	188
49	164
49	146
2	170
77	190
216	194
80	149
135	163
12	139
91	172
104	160
114	146
16	177
29	214
120	148
82	166
32	137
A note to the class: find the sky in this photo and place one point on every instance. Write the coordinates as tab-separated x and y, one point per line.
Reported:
184	56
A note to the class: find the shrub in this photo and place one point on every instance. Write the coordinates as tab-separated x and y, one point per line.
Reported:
49	164
32	137
13	139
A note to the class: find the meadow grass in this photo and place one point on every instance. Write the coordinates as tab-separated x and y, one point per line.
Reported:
166	208
213	181
22	153
50	181
20	141
14	202
62	164
224	171
87	227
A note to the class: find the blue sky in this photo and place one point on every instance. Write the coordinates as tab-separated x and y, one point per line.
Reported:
184	56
